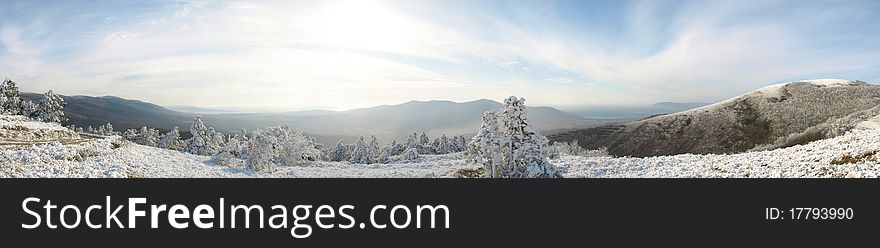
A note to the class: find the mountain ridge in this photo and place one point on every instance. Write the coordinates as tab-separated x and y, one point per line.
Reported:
771	117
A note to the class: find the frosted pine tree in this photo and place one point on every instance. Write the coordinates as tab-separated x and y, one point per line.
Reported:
10	99
425	146
260	150
170	140
30	109
524	148
148	137
485	146
373	149
198	142
384	156
413	141
131	135
51	108
339	152
359	154
295	147
443	146
411	155
397	148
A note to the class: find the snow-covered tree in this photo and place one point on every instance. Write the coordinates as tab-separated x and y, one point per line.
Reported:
373	149
51	108
425	146
147	136
525	149
131	135
204	141
360	153
339	152
411	155
485	146
170	140
508	146
30	109
396	148
105	130
443	145
10	99
260	150
295	147
232	150
278	145
384	155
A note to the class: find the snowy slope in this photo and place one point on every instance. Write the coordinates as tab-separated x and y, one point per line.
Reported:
811	160
18	130
771	117
99	158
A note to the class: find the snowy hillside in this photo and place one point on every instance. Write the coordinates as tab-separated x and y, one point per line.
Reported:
117	158
112	158
772	117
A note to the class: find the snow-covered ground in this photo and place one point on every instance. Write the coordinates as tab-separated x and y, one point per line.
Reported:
113	157
18	130
99	158
810	160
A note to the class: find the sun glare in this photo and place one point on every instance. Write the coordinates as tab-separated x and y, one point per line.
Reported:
363	24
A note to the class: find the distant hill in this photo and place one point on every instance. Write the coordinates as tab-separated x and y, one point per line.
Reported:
397	121
387	121
87	111
771	117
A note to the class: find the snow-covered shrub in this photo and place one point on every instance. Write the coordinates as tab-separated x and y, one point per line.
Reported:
572	148
508	146
147	136
205	140
411	155
170	140
266	148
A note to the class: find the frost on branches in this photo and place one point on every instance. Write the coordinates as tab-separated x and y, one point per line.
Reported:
51	108
10	100
508	146
266	148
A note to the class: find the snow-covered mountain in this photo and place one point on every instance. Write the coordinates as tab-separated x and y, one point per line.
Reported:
771	117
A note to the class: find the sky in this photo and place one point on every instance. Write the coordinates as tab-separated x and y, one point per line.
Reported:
336	55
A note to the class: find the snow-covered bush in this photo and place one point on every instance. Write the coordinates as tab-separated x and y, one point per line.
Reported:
508	146
411	155
170	140
572	148
266	148
205	140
